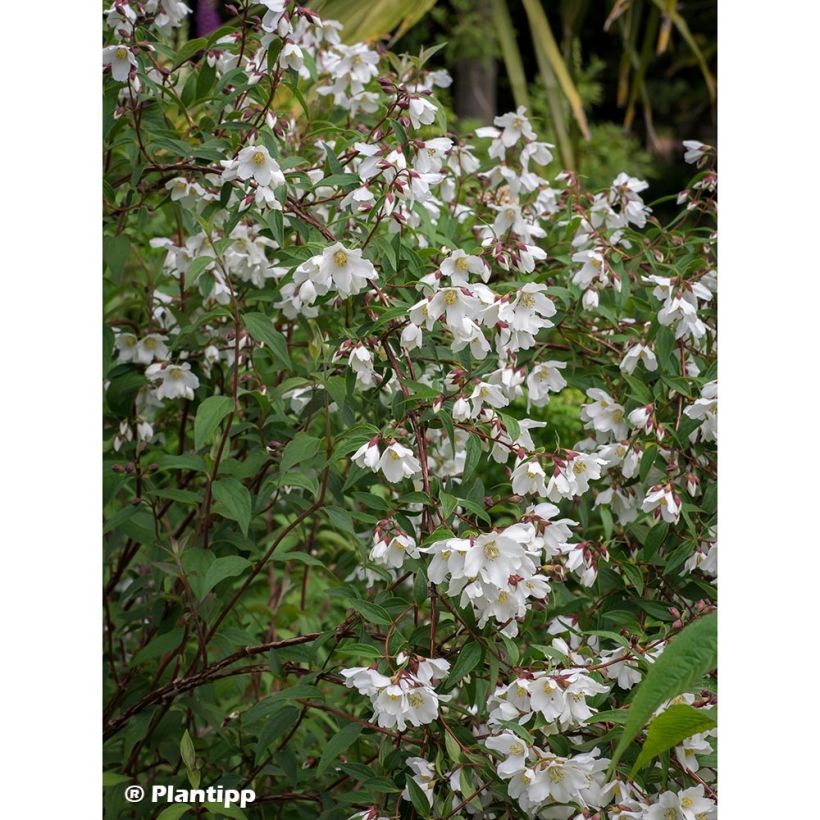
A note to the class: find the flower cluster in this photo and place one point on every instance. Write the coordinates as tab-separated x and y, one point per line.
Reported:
408	696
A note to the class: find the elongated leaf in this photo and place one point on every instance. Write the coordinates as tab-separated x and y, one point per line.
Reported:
186	750
418	798
467	660
670	11
235	501
276	726
511	53
208	416
544	42
261	328
372	613
302	447
671	727
689	656
339	743
372	20
222	568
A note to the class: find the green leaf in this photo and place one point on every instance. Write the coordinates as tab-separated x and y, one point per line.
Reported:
197	267
418	798
300	448
222	568
669	729
209	414
235	501
219	810
512	55
276	726
467	660
186	750
114	779
188	50
633	574
689	656
339	743
372	613
261	328
174	812
448	504
472	458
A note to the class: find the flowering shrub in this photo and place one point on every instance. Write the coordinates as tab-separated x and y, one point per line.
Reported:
353	559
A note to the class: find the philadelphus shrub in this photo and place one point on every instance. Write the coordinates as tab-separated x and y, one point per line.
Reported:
353	558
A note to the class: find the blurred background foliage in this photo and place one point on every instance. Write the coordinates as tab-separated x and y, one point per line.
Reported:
614	84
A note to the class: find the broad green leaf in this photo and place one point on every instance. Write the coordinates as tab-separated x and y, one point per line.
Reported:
339	743
300	448
279	722
222	568
209	414
235	501
418	798
188	50
372	613
689	656
670	728
466	660
472	458
261	328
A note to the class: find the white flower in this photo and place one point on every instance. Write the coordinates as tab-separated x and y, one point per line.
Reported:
346	268
620	667
705	409
544	378
254	162
639	353
486	393
421	111
177	380
665	501
690	804
127	346
458	264
604	415
528	479
592	268
121	59
590	301
408	697
515	125
493	557
367	456
291	57
456	304
687	751
361	362
411	337
398	462
461	409
430	156
513	748
392	552
151	347
641	417
695	150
